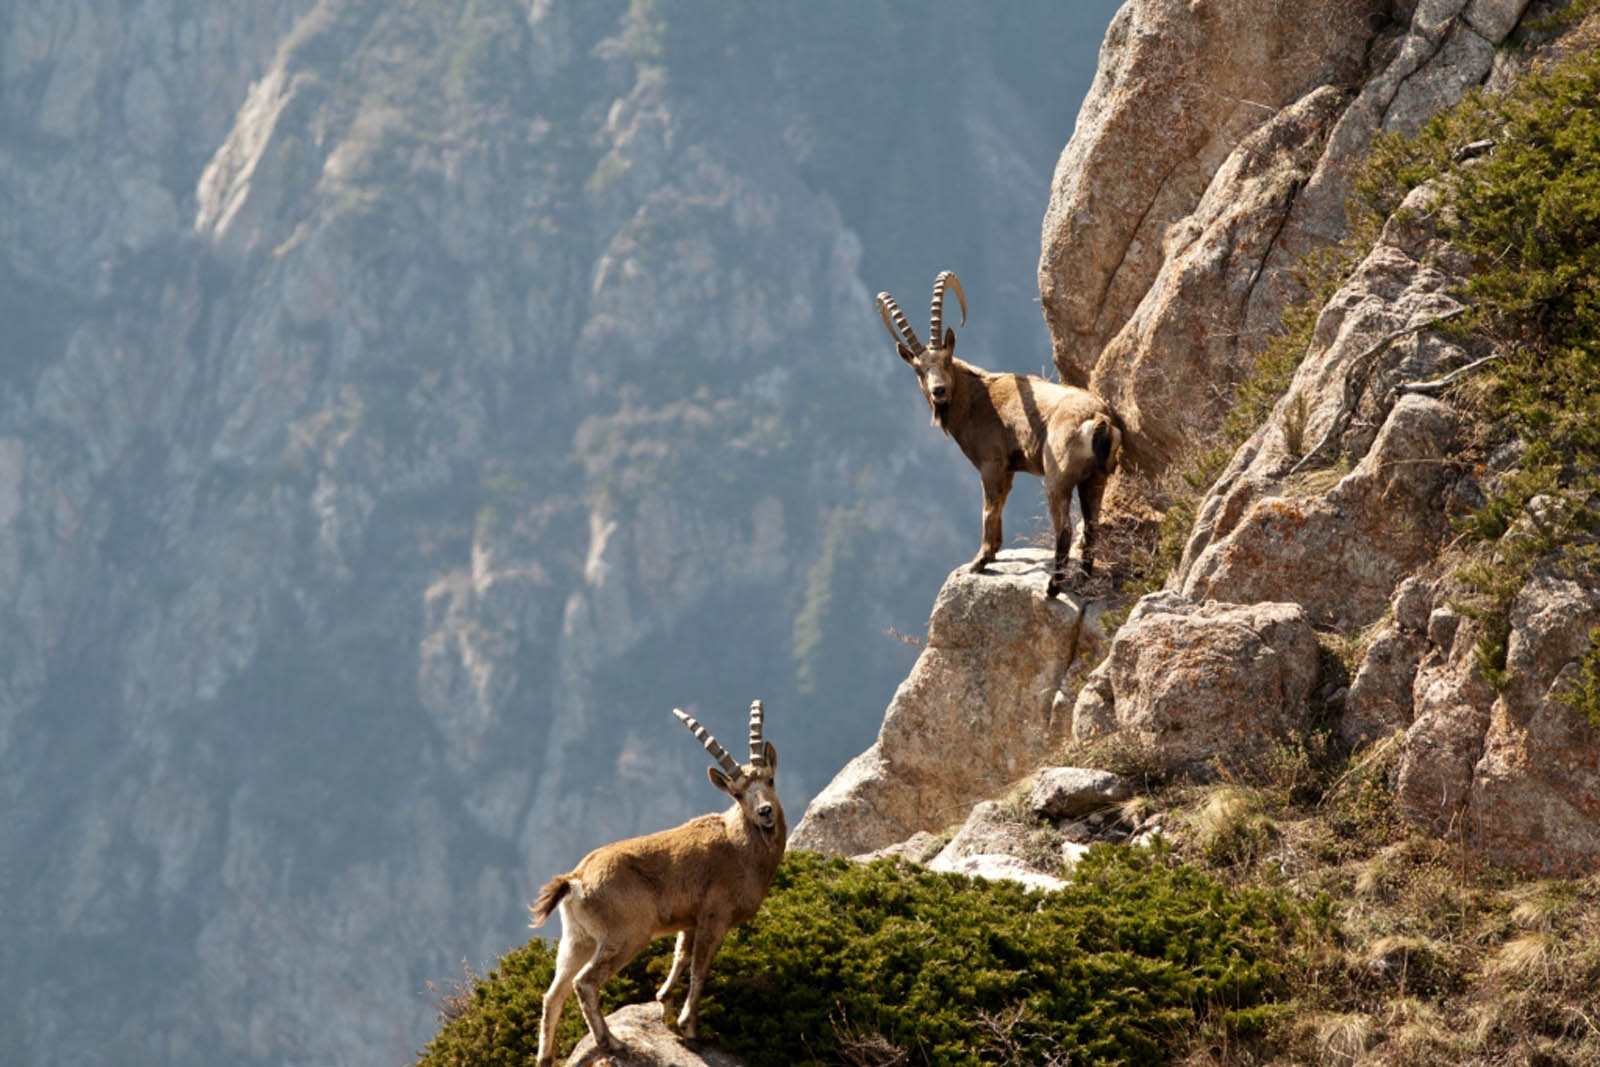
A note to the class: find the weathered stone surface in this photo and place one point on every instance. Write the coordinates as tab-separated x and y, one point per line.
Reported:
1261	534
1071	792
920	847
1198	682
1423	64
1179	85
984	687
1516	771
1167	252
1536	789
1379	701
1493	19
1003	867
1342	555
993	844
1211	263
1450	711
646	1041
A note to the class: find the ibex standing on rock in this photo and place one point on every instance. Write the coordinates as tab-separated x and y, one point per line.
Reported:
698	881
1006	423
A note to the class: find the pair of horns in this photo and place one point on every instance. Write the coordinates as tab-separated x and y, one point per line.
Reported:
900	328
758	755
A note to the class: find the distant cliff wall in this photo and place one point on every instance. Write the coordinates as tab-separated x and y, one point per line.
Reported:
402	407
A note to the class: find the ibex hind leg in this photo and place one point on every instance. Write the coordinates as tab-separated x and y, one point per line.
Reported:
609	958
575	950
1060	564
1090	495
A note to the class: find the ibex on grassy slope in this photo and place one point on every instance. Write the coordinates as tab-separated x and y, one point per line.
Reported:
698	881
1006	423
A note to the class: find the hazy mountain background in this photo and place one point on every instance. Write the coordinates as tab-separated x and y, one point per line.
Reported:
402	406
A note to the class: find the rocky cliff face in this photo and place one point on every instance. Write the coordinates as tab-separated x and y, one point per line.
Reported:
403	407
1217	148
1229	136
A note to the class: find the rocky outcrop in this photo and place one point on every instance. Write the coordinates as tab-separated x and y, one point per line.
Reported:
1536	788
1174	225
1339	555
991	685
1264	531
995	844
1192	684
1450	702
1179	86
1511	771
1073	792
1216	149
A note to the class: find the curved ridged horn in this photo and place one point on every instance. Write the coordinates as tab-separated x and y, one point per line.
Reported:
936	307
889	309
758	754
729	764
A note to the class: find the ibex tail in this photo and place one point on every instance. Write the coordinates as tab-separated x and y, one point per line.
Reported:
1137	451
548	898
1107	443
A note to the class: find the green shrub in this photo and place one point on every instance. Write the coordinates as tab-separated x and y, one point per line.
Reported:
1129	963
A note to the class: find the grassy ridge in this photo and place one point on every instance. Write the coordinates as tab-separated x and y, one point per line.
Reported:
1132	963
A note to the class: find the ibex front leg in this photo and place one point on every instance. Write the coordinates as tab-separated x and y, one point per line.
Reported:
679	956
707	939
996	487
1059	497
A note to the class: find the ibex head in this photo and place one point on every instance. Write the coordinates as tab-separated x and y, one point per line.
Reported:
935	361
753	785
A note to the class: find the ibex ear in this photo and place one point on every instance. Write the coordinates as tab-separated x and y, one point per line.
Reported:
905	353
770	754
949	339
720	780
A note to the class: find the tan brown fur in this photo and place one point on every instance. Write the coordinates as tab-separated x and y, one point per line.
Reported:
697	881
1010	423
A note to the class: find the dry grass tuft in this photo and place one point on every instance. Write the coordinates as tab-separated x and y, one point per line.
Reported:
1410	963
1343	1039
1231	828
1531	957
1377	879
1543	905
